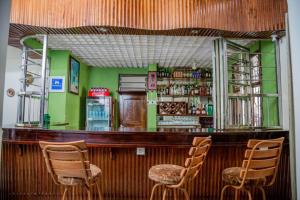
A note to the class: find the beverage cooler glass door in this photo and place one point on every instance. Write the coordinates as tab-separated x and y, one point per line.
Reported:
98	113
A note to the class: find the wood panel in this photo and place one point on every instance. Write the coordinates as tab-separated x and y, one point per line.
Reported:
234	15
234	19
24	174
133	110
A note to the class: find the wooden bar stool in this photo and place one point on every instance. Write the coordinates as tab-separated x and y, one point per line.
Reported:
258	170
174	177
68	165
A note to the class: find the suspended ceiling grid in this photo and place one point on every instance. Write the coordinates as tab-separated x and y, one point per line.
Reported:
136	50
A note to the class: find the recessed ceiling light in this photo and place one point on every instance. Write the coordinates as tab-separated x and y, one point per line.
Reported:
102	29
195	32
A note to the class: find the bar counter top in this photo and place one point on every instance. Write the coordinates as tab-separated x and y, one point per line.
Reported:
134	137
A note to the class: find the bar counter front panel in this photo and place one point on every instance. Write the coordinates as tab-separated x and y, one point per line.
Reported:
125	175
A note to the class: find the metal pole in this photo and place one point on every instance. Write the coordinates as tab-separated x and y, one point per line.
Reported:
21	108
278	70
224	84
215	79
43	78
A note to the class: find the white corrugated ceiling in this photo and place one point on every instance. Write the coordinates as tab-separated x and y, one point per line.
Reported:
136	50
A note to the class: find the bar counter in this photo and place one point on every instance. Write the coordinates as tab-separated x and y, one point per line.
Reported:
125	174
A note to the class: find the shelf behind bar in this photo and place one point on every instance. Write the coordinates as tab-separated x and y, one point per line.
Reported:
184	78
167	95
202	116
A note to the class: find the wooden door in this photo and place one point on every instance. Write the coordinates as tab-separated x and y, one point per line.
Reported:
133	111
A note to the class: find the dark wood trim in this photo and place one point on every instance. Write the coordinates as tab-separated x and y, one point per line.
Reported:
130	137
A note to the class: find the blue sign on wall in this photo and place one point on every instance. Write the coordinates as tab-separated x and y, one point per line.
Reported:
57	84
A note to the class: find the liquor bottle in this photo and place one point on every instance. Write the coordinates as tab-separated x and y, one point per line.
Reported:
167	72
167	90
193	110
198	111
196	90
186	90
190	110
192	91
203	110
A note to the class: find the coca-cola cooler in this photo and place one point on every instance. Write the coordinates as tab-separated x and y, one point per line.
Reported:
99	110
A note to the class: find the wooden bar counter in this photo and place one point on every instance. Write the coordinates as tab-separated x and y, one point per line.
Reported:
125	175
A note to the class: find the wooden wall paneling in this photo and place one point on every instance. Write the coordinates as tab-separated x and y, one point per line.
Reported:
235	15
24	174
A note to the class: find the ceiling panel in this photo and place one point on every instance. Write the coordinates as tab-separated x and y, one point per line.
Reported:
135	50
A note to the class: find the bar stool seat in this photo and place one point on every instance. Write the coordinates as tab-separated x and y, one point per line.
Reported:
95	173
231	176
166	173
258	170
174	177
69	166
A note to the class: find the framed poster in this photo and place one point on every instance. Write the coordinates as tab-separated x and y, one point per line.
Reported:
74	76
57	84
151	80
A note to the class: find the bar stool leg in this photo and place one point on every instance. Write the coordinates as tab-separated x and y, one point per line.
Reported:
73	193
175	193
249	194
263	192
223	191
99	192
88	192
186	195
235	194
64	194
153	190
165	193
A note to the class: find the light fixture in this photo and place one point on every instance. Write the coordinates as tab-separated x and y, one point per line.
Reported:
274	37
102	29
195	32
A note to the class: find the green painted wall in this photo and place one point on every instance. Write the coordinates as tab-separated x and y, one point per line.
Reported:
152	107
67	107
57	101
269	81
270	105
108	77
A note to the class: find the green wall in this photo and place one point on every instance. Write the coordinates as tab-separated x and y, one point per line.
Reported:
269	81
270	105
152	107
108	77
67	107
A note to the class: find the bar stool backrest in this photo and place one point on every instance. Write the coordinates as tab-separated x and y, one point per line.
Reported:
197	153
66	159
261	160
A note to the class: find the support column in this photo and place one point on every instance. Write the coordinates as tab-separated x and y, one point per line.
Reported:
294	74
151	102
4	24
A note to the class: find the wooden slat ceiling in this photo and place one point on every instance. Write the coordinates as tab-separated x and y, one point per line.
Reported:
227	18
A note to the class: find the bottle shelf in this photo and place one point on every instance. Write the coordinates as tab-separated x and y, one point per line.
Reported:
185	79
167	95
201	116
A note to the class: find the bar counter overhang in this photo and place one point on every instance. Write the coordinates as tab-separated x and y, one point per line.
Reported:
125	175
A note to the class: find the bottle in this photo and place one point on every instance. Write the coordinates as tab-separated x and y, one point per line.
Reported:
196	90
192	91
198	110
190	110
193	109
186	90
203	110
